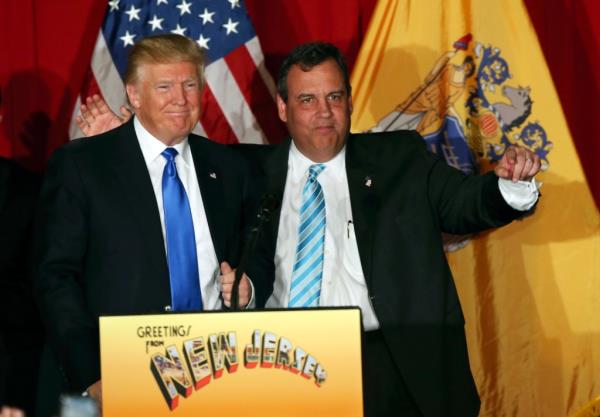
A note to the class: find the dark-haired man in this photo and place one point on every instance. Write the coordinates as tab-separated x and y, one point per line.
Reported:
376	242
140	219
360	224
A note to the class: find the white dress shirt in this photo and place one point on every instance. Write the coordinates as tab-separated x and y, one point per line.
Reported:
208	266
343	282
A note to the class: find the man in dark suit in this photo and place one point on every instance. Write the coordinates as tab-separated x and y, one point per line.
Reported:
139	219
369	234
383	200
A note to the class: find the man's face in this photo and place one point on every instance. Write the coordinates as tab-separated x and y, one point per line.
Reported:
166	98
318	109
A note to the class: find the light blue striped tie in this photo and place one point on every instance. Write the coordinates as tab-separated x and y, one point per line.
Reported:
307	274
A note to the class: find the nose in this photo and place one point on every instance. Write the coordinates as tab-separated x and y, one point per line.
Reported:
179	97
325	108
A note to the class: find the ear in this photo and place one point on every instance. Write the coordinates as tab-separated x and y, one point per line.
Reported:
281	109
134	97
350	106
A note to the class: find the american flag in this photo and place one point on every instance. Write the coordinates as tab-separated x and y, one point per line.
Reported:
238	102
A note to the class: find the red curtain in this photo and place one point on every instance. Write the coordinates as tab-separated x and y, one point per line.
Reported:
569	34
46	47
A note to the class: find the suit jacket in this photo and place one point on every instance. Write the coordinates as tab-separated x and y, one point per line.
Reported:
99	248
402	198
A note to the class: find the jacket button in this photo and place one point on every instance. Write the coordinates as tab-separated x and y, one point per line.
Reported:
167	308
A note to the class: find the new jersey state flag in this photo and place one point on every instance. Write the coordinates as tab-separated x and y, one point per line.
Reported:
471	78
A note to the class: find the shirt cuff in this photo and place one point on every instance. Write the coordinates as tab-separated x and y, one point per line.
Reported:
520	195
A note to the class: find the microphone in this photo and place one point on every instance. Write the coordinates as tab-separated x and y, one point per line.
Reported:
269	203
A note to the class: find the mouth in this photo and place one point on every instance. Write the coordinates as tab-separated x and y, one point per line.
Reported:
324	128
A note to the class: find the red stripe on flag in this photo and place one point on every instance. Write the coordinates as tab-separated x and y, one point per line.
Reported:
213	120
89	86
256	93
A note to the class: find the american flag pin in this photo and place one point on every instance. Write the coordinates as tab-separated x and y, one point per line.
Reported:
213	175
368	182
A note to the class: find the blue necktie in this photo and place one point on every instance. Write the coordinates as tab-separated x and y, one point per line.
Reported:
181	242
305	288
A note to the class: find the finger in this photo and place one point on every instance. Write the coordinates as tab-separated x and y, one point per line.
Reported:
527	167
83	125
81	122
535	166
226	287
245	291
87	114
225	268
521	160
100	104
243	301
92	106
226	280
125	113
83	110
511	155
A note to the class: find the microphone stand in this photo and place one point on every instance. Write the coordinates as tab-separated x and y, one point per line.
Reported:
268	205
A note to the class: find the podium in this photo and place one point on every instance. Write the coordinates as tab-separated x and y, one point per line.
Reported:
268	363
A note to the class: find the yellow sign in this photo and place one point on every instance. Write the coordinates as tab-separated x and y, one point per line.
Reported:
251	363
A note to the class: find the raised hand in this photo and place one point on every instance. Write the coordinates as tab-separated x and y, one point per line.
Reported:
96	117
518	164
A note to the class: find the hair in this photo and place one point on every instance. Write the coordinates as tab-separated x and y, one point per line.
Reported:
162	49
307	56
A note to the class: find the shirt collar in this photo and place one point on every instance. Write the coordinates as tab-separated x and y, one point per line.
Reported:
299	164
152	147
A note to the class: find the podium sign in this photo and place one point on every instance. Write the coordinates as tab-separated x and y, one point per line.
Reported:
276	363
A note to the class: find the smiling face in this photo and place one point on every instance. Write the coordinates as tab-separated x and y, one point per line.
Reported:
317	111
166	98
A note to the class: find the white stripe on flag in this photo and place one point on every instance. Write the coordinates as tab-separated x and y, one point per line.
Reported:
253	46
231	100
107	75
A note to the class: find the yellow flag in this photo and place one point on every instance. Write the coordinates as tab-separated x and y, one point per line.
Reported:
471	78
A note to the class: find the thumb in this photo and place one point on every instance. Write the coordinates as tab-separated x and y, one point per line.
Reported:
225	268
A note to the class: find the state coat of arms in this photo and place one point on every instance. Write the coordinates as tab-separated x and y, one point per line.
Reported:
469	110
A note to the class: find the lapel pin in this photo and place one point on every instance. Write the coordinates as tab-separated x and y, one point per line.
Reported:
368	182
213	175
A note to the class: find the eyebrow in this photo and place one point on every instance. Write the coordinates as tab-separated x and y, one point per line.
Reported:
171	81
303	95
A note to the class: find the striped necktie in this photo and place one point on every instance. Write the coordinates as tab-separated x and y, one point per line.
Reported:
181	241
305	288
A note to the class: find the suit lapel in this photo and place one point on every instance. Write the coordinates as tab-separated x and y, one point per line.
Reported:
276	168
362	184
212	190
132	174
